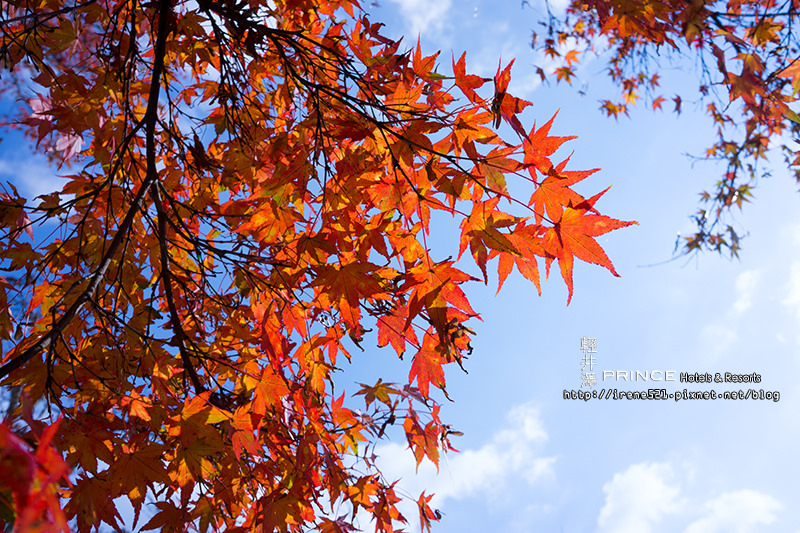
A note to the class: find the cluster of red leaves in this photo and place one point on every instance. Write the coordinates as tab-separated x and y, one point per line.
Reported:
749	55
29	479
256	187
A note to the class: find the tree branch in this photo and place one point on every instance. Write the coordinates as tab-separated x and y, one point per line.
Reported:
150	118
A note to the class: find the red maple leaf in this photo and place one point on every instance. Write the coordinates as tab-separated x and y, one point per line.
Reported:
573	236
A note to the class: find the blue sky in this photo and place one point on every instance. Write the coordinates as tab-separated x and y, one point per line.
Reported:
532	461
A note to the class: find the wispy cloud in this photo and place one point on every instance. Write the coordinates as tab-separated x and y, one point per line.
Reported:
717	339
512	454
638	498
742	511
32	176
746	284
648	497
557	7
718	336
423	16
792	298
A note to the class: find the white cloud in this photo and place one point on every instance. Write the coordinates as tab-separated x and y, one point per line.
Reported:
717	339
746	284
557	7
647	497
423	15
793	288
638	498
742	511
792	291
720	335
512	454
32	177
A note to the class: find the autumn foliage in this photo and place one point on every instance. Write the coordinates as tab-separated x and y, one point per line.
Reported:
747	54
252	194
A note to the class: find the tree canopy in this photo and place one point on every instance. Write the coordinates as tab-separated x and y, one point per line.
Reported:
748	54
252	191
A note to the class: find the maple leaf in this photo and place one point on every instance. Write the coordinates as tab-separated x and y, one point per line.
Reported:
133	473
69	145
30	478
380	391
426	513
392	329
168	518
347	286
792	71
424	440
426	367
573	236
565	74
466	82
335	526
539	146
527	242
505	106
677	100
480	231
435	288
554	193
90	503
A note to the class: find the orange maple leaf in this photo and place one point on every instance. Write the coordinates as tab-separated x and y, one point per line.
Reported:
466	82
572	236
427	365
